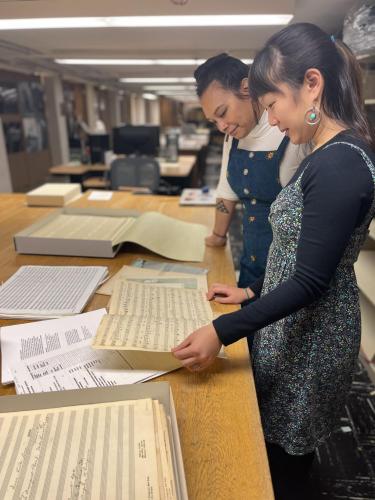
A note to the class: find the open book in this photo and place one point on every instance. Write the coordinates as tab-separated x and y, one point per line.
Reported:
99	233
146	321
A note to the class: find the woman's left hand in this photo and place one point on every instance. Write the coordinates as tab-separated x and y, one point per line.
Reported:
199	350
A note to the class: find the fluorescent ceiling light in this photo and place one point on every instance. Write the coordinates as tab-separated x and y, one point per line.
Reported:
107	62
149	97
138	62
179	62
187	79
169	87
146	21
175	92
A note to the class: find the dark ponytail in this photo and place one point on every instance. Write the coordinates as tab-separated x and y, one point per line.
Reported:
292	51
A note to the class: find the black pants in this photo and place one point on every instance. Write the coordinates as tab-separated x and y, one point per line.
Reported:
290	473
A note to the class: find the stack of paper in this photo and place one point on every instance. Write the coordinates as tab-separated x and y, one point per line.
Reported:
121	449
56	355
38	292
93	232
146	321
53	195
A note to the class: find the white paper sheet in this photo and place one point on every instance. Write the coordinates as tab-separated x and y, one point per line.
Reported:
57	355
100	195
39	292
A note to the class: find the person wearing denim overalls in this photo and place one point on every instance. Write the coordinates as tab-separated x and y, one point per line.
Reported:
257	160
254	177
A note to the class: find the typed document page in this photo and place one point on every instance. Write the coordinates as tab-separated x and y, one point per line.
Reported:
38	292
96	451
57	355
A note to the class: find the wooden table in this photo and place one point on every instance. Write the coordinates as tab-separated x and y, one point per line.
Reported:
217	413
182	168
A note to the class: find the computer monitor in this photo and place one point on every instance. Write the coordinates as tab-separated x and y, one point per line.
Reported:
136	139
99	144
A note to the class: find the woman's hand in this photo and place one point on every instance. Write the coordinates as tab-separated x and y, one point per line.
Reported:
225	294
215	241
199	350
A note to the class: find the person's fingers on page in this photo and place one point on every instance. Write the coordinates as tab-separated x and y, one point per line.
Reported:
216	289
181	345
184	353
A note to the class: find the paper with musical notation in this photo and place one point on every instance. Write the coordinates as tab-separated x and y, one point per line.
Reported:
110	450
146	321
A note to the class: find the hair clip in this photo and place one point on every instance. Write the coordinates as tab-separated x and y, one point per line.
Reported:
333	38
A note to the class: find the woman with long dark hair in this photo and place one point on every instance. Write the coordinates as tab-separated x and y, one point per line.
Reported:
306	318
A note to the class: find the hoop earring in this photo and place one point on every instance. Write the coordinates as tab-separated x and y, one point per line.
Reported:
312	116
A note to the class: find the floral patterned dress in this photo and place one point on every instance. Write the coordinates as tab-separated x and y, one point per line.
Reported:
303	364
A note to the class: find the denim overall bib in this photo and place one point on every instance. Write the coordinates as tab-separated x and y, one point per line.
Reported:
254	177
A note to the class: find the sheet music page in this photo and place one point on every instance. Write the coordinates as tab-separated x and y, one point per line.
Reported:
169	237
57	355
123	332
163	446
96	451
131	273
137	299
86	227
49	291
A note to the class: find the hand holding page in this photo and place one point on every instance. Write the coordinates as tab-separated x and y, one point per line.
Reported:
145	322
56	355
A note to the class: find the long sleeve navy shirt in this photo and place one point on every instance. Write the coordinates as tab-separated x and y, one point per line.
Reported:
338	191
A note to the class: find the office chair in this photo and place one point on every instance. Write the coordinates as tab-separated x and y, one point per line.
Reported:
135	171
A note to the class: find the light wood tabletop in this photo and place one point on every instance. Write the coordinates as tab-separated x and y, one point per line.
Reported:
218	418
181	168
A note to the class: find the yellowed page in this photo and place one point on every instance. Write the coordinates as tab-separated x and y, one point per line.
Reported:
86	227
146	300
106	450
165	465
169	237
131	273
143	333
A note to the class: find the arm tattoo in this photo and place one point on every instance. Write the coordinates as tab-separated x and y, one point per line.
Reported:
220	207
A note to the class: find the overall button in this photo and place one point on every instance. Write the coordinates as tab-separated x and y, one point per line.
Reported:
253	258
270	155
246	191
246	171
253	201
251	154
251	218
